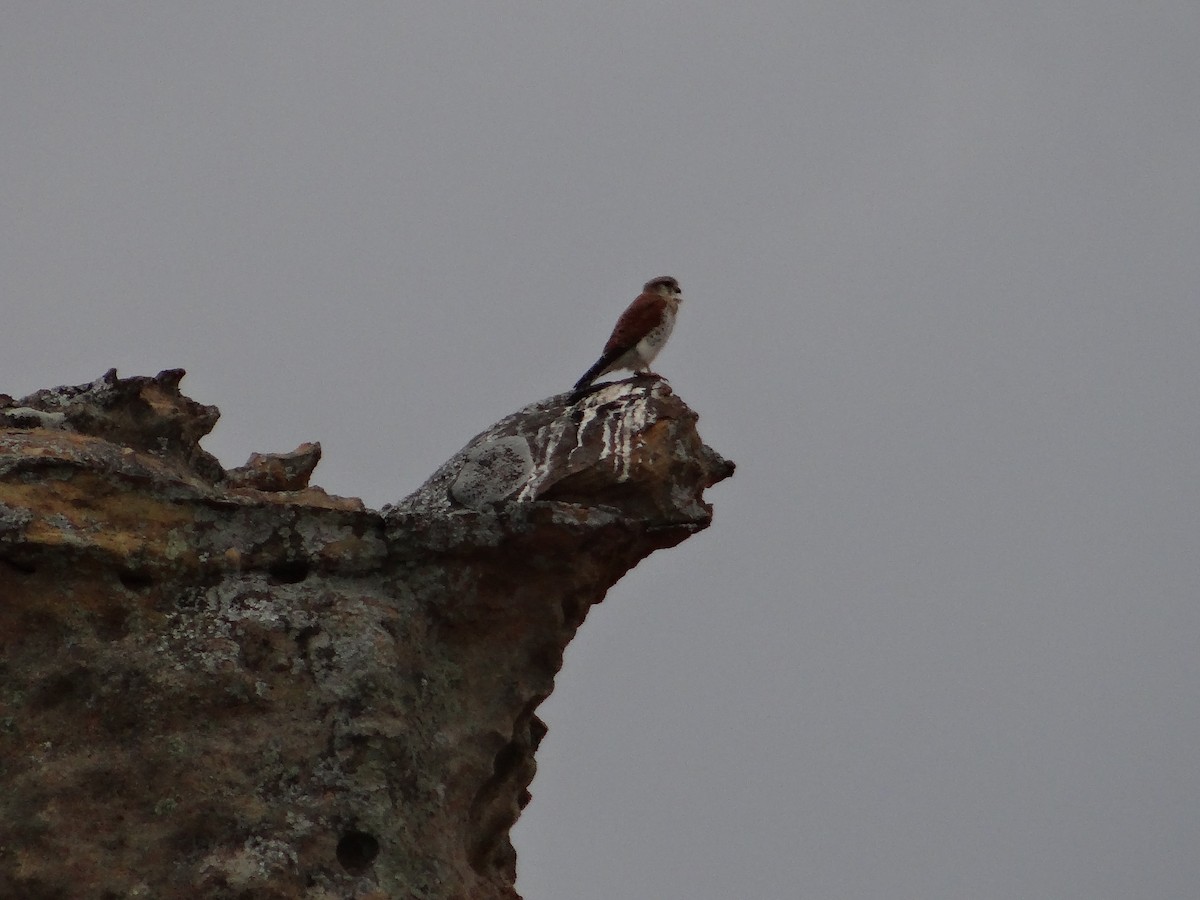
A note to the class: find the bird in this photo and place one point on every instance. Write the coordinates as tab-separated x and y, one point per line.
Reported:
639	334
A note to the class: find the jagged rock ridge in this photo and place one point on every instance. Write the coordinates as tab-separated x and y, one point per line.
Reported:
232	684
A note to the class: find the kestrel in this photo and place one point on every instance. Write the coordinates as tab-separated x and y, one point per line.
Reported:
639	334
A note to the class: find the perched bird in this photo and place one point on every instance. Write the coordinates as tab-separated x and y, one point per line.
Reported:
639	334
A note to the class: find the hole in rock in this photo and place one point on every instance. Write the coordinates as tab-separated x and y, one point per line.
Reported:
289	571
134	580
19	565
356	851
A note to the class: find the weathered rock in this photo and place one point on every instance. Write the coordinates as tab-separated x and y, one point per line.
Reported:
235	685
276	471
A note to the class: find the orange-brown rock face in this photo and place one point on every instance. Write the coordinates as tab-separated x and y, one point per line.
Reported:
233	684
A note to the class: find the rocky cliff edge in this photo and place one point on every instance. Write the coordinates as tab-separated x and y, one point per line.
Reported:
232	684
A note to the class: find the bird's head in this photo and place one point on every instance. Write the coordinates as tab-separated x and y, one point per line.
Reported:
665	285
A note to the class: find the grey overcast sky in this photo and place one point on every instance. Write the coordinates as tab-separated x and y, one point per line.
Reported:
942	269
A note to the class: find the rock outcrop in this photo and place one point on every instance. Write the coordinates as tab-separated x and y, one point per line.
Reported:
231	684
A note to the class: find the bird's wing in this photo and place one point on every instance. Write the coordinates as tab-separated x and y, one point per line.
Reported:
643	316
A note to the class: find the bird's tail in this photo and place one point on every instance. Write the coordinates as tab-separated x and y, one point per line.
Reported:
589	376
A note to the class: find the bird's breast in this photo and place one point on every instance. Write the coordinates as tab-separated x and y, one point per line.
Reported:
656	337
